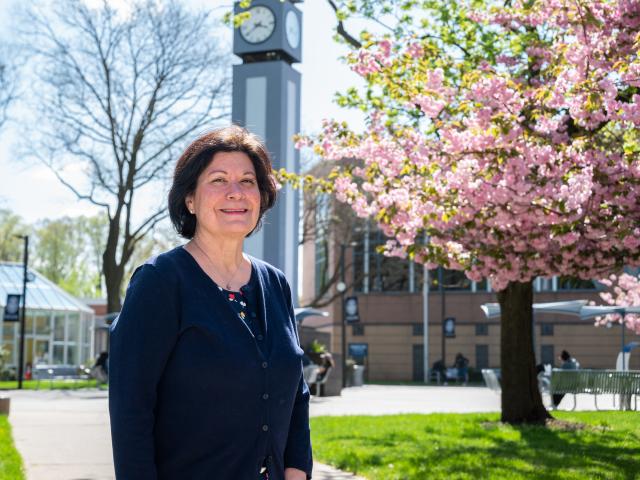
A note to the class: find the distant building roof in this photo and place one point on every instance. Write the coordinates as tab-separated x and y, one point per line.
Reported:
42	294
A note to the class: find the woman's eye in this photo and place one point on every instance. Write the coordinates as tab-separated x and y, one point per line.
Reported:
218	180
249	181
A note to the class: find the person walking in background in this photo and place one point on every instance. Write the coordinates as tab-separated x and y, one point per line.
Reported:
568	363
440	370
462	365
205	377
100	370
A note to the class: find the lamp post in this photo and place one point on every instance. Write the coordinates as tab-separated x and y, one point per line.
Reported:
25	262
425	317
624	362
342	288
425	324
443	346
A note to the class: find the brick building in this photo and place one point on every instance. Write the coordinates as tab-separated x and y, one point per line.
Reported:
389	340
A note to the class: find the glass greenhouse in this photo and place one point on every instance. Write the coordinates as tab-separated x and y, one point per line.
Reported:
58	327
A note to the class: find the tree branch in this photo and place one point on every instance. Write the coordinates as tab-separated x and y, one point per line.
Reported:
341	30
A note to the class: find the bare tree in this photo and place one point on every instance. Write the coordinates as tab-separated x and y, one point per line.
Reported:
326	224
120	93
7	90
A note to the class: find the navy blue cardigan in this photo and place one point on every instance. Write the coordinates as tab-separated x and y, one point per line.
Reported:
191	395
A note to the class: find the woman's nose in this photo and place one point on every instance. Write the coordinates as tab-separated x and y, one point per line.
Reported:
235	190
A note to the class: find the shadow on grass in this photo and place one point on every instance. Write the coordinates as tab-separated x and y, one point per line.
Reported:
605	451
467	449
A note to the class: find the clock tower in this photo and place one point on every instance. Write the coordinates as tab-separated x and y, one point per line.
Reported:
266	100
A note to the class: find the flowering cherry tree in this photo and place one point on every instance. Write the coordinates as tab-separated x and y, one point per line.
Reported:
625	291
508	135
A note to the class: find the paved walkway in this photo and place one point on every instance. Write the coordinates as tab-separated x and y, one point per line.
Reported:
64	435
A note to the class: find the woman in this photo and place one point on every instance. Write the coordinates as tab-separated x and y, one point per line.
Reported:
205	372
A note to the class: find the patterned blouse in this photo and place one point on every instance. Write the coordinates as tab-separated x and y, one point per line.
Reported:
244	303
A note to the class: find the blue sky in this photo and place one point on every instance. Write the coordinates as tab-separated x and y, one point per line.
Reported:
33	192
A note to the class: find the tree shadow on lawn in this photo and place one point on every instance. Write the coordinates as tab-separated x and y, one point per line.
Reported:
588	453
540	454
495	451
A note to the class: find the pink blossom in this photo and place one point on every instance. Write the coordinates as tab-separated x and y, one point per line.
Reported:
515	174
415	50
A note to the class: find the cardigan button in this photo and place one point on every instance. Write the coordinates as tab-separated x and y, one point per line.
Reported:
260	337
265	364
265	428
265	396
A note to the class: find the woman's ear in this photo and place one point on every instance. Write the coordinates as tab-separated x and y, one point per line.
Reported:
188	201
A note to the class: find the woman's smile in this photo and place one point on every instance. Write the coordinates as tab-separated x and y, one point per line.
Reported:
234	211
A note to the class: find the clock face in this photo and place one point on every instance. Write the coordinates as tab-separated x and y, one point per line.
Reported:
259	26
292	26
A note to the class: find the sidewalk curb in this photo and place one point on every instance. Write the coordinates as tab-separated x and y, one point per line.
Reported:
326	472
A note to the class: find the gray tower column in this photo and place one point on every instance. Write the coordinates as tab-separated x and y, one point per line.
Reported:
266	100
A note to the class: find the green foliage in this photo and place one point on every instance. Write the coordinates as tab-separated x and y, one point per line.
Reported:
11	246
316	347
57	248
470	446
10	461
451	41
48	385
68	251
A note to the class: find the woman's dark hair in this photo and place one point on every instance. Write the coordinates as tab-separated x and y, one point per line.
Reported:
196	158
565	355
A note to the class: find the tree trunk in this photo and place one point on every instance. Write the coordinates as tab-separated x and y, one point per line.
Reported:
521	399
113	282
113	275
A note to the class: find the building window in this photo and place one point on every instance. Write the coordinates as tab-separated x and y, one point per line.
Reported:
482	285
482	329
482	356
450	279
418	363
357	330
455	280
574	283
546	354
544	284
418	329
386	274
546	329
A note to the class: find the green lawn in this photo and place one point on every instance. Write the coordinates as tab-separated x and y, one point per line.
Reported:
10	461
605	445
47	385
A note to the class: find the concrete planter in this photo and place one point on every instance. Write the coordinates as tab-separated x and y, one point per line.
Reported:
5	403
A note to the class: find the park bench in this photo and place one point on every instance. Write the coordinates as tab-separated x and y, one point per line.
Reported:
310	373
625	384
312	376
70	373
490	376
450	374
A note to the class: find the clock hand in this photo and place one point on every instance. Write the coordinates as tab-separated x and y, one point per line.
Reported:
256	25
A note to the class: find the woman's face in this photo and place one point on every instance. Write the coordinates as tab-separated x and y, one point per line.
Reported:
226	201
